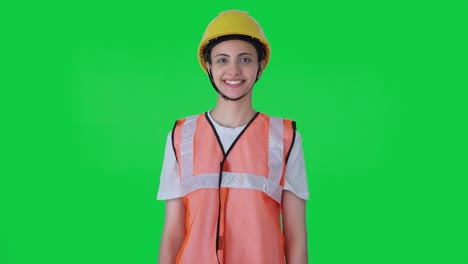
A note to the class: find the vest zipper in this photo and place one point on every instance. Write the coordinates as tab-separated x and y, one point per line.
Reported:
220	178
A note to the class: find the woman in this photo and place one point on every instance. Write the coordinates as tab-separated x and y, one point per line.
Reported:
234	179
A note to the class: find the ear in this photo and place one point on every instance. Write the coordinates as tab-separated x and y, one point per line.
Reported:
208	66
262	67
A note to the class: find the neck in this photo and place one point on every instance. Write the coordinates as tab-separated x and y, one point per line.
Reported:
233	113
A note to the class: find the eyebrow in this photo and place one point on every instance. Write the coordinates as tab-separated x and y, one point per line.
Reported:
240	54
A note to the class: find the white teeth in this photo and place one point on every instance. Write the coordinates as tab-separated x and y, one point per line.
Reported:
233	82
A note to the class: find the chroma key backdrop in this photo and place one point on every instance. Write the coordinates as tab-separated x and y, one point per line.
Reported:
89	91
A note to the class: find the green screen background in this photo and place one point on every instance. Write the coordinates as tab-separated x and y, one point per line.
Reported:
89	91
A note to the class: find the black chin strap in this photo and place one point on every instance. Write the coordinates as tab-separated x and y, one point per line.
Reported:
225	97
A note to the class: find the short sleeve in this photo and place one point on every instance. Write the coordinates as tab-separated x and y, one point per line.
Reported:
295	174
169	182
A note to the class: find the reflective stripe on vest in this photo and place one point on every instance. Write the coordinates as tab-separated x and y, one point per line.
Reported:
251	190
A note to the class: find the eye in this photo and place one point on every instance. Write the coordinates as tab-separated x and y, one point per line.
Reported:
221	60
245	60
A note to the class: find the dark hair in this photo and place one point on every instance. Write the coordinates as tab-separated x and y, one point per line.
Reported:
255	42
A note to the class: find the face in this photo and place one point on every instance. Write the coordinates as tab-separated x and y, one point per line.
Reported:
234	65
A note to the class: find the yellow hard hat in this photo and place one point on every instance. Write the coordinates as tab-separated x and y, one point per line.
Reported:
233	22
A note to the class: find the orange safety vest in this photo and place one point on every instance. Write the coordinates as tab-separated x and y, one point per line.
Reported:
233	197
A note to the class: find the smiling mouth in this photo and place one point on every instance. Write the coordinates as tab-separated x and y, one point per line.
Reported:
233	82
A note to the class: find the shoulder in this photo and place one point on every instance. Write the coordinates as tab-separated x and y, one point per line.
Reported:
290	123
276	117
188	120
185	127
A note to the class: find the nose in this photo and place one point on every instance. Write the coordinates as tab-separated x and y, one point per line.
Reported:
235	68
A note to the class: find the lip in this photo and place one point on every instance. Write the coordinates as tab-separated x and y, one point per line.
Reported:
233	83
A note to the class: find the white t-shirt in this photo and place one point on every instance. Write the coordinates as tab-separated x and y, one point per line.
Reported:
295	174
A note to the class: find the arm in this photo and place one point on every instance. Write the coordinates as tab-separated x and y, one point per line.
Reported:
174	231
294	228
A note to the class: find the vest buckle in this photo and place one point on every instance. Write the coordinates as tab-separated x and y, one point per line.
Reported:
221	243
